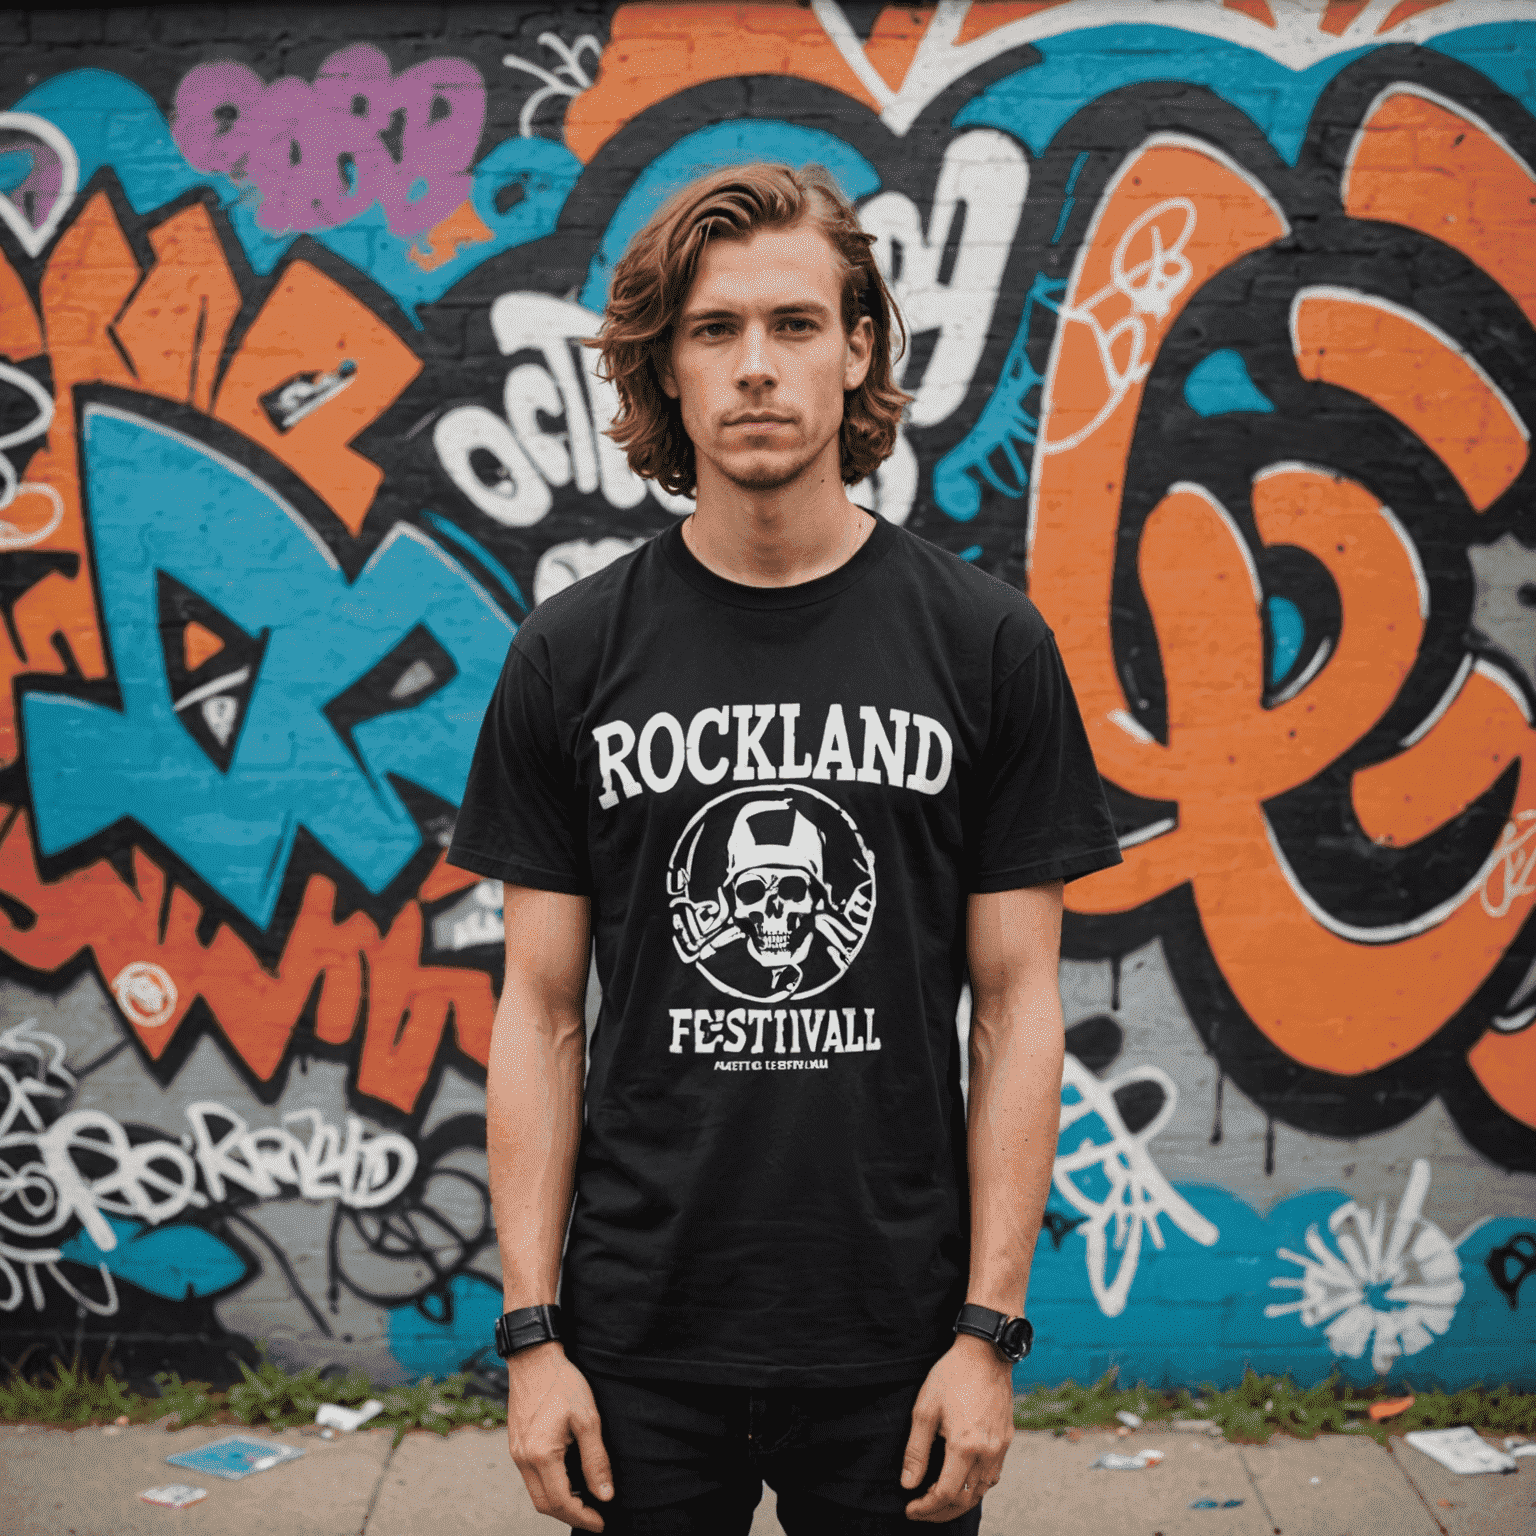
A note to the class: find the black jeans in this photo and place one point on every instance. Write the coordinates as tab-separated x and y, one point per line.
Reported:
691	1460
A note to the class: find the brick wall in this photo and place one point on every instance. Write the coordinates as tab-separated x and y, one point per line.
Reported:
1222	345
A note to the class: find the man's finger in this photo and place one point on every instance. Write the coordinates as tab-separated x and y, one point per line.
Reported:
950	1496
914	1460
550	1489
567	1506
595	1467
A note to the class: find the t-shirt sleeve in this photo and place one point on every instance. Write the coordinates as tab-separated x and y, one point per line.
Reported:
523	817
1044	813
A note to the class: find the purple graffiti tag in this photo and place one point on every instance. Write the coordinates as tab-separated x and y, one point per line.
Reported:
322	153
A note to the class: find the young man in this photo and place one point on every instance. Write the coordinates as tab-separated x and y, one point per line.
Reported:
796	771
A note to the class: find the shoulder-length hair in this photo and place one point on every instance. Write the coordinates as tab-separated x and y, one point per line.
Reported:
652	280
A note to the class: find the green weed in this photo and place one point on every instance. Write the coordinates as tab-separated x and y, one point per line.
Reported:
1256	1408
1259	1406
72	1396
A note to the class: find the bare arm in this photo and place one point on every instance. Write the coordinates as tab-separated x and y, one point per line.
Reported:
533	1097
1016	1050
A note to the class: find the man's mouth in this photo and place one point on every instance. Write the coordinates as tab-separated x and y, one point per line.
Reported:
758	421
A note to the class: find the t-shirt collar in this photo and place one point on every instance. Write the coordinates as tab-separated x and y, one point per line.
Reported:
738	594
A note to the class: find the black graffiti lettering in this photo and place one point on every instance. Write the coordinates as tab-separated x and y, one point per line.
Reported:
1511	1264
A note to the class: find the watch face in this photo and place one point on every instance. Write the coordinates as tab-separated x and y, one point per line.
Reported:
1016	1338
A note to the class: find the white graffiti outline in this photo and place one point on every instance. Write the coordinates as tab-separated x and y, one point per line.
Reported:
10	485
575	79
1417	1264
12	537
34	237
1294	38
1138	1193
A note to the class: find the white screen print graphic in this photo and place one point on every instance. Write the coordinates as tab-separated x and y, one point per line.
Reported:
772	892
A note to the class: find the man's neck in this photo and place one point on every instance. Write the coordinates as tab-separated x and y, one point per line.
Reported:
775	538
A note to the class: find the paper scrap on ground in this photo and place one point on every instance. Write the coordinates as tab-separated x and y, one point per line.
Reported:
1111	1461
348	1419
235	1457
174	1495
1196	1426
1389	1408
1218	1503
1461	1450
1518	1445
1130	1420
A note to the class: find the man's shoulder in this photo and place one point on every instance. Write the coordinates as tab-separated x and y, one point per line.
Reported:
573	617
967	595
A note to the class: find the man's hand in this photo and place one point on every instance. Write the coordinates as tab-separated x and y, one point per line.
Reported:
548	1404
968	1398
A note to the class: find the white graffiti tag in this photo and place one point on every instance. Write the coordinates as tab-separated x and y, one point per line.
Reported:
568	78
84	1166
1415	1272
1148	272
76	1169
360	1170
1137	1194
1511	866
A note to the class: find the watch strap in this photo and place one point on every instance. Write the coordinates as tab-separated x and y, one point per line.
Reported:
526	1327
1012	1337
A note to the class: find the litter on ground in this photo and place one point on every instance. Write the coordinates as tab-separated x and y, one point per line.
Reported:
348	1419
174	1495
235	1457
1129	1419
1112	1461
1389	1408
1215	1503
1461	1450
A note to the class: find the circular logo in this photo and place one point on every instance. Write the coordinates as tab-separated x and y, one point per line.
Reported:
145	993
772	891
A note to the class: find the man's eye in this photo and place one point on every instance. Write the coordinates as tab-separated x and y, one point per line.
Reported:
799	326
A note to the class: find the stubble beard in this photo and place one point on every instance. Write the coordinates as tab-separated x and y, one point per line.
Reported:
774	477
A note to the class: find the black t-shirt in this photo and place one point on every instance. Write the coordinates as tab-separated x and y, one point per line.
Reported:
778	800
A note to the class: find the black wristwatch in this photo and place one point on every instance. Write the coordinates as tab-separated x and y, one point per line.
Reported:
526	1327
1012	1337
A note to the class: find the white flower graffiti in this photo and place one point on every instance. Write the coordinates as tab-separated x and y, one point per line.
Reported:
1392	1294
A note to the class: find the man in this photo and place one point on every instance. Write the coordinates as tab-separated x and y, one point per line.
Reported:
795	770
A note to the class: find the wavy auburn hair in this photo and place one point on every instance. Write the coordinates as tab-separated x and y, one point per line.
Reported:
652	280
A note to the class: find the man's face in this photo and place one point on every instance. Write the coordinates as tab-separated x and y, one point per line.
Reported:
759	358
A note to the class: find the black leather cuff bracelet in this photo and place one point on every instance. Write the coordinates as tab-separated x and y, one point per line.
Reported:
526	1327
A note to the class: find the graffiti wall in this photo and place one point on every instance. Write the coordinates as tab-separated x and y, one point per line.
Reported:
1223	346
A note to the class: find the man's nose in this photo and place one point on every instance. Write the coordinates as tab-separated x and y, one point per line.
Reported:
754	363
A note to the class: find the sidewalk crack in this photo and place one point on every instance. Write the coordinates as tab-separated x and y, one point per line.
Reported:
1253	1483
1418	1492
378	1486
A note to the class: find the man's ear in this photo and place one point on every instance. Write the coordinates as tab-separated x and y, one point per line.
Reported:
861	345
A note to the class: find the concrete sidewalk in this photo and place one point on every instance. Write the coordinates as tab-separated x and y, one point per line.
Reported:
86	1483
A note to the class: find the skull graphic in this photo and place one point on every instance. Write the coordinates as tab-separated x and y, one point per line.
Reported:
774	875
771	891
